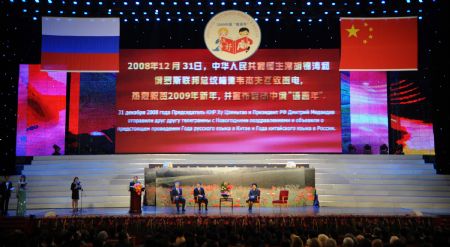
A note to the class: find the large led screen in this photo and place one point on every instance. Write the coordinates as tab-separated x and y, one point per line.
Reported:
279	100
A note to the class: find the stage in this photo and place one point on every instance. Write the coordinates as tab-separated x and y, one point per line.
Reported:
309	211
388	182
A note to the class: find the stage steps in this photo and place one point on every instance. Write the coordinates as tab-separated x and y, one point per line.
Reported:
388	181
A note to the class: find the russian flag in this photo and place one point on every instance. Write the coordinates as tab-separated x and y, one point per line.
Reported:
80	44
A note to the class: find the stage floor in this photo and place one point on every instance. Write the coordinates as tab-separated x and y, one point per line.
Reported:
241	211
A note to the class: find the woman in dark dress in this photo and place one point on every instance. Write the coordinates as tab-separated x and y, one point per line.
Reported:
75	187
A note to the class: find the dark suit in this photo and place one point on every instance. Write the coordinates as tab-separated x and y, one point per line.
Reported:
5	191
177	197
201	197
253	197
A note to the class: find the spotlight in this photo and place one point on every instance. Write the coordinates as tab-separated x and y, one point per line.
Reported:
308	3
137	3
125	3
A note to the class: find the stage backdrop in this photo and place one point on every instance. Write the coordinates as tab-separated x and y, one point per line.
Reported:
299	181
186	100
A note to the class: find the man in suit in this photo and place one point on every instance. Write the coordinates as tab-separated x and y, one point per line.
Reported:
177	197
253	196
199	193
5	190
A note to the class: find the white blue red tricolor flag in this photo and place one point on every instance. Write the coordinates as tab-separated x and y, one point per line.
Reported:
80	44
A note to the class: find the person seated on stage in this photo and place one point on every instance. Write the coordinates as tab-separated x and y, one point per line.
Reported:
199	193
384	149
399	150
253	196
177	197
57	150
351	149
367	149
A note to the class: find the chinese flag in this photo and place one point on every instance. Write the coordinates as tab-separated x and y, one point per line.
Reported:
379	44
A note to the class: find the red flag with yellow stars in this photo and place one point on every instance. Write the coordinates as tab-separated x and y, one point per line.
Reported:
385	44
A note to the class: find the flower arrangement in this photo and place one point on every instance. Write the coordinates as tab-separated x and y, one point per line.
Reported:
138	188
225	189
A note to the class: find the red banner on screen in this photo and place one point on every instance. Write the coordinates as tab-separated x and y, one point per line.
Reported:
379	43
184	101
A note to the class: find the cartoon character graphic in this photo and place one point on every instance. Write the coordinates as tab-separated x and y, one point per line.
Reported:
222	33
244	43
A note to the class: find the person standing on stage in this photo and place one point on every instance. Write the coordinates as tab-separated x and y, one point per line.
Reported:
133	182
253	196
5	191
177	196
199	193
75	187
21	196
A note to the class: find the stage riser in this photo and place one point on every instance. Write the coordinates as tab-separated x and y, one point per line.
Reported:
317	165
389	181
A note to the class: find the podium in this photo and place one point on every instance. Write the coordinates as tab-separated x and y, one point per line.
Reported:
135	202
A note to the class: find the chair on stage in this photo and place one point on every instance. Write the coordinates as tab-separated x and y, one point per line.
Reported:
196	203
258	202
283	199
